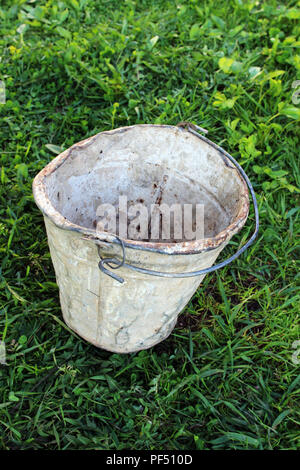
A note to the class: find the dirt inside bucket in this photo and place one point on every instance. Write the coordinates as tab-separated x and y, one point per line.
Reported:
177	207
100	184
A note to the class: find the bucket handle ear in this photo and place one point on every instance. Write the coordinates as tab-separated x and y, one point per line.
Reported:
114	263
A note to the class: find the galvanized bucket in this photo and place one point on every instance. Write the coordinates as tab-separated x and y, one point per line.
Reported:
125	295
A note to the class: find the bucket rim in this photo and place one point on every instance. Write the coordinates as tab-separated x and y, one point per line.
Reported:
187	247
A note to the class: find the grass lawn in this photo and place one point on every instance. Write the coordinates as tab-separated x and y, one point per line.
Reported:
226	377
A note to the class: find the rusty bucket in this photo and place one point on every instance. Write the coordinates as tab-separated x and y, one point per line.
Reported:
119	293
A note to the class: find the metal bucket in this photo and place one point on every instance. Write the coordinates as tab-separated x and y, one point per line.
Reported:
125	295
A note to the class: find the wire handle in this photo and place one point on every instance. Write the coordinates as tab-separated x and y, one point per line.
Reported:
114	263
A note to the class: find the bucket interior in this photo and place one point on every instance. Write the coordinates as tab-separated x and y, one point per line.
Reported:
149	165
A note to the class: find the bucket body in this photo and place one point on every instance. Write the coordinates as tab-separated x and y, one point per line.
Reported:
145	163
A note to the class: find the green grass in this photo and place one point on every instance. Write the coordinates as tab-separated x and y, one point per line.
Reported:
225	378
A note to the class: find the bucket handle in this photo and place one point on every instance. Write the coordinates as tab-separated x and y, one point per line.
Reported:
114	263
